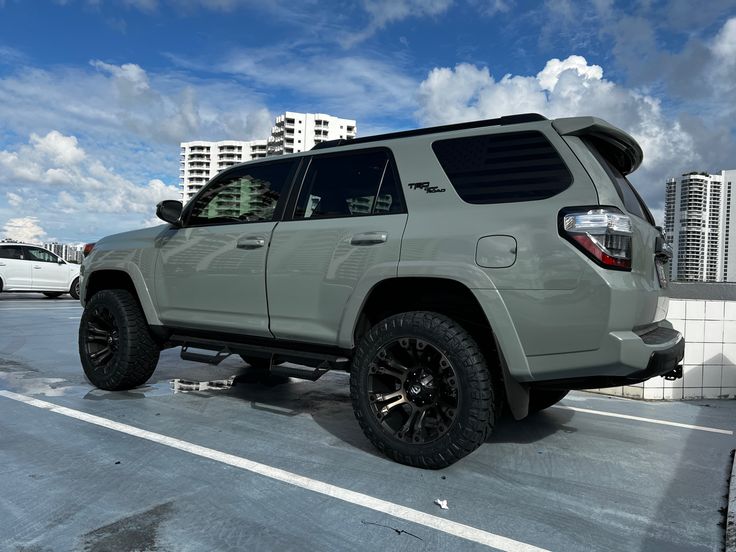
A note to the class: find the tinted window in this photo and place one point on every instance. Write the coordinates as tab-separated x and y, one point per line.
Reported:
503	168
248	195
38	254
11	252
630	198
349	185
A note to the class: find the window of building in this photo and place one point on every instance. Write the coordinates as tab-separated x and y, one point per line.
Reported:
350	185
503	168
248	195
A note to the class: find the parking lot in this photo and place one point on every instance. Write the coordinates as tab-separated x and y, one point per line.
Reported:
242	464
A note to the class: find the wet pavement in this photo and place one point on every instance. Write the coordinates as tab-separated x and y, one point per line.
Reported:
566	479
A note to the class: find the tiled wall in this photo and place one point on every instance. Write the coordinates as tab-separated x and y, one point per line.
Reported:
709	366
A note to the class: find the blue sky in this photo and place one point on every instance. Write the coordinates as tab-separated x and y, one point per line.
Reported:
96	95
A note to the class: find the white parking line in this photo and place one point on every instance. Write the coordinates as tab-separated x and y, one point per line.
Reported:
39	308
649	420
402	512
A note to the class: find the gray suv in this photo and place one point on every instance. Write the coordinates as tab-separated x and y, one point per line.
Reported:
454	271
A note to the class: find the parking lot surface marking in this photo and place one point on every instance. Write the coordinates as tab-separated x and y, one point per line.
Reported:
402	512
641	419
42	308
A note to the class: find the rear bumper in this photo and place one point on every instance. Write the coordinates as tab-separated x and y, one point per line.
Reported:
627	359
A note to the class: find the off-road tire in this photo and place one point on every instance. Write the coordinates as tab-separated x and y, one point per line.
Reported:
53	294
539	399
74	289
473	417
113	318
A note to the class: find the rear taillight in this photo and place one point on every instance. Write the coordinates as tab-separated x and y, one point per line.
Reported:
88	247
603	233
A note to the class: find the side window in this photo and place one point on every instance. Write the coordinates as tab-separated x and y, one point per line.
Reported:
503	168
633	203
349	185
38	254
11	252
248	195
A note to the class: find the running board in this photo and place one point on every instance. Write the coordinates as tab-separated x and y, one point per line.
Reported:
213	359
302	372
316	361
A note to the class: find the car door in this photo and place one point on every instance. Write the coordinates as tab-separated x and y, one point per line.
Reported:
15	271
346	226
210	273
48	271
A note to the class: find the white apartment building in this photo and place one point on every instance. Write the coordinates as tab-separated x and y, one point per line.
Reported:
700	224
294	132
201	160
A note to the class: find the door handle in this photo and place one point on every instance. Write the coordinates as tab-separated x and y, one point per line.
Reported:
36	266
2	264
369	238
251	242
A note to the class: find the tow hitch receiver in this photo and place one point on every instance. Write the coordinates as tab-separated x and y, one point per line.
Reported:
674	374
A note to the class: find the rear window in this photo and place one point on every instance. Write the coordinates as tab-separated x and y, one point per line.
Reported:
632	201
503	168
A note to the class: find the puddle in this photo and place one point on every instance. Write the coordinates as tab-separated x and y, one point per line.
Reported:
184	386
26	384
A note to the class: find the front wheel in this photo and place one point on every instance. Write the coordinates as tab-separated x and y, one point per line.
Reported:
74	289
115	345
421	390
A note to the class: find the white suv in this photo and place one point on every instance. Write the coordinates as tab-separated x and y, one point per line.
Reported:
25	267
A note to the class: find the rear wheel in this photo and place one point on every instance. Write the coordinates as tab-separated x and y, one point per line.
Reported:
53	294
74	290
539	399
421	390
115	345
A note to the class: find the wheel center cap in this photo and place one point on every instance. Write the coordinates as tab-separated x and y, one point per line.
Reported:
415	389
110	340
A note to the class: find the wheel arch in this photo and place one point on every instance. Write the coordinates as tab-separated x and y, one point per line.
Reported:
129	279
490	325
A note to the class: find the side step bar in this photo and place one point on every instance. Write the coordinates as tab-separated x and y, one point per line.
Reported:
314	363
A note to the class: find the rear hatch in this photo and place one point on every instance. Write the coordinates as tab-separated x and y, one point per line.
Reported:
609	155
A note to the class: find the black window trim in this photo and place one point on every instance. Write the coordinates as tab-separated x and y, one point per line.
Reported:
290	211
606	165
504	132
234	172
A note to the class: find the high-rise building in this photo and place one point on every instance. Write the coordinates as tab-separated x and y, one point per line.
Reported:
295	132
700	225
201	160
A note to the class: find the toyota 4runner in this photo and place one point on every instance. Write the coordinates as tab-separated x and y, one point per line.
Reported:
450	270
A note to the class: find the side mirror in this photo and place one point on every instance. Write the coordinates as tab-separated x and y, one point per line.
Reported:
169	210
60	260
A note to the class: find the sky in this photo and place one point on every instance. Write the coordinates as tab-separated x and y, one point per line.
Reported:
96	95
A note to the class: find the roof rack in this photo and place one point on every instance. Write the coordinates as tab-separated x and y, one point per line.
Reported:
505	120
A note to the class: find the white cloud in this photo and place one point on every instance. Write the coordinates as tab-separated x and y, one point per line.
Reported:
66	189
24	229
724	44
14	200
383	12
566	88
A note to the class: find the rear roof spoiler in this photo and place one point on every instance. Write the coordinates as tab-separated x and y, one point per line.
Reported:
629	154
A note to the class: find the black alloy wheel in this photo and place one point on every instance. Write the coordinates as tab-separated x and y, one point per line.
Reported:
103	338
421	389
412	390
116	347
